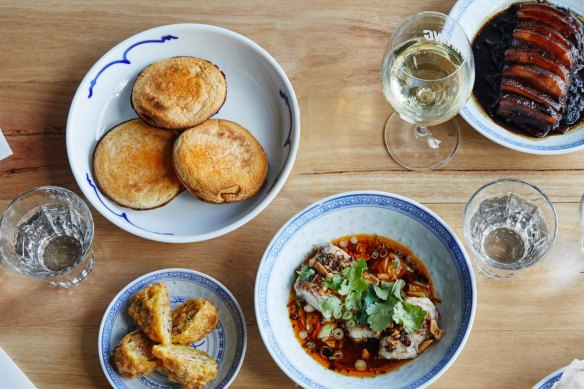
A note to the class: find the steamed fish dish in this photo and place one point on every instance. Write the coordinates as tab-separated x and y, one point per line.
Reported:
363	305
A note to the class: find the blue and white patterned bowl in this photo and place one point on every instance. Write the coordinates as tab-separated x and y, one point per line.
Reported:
259	97
370	212
226	344
472	15
550	380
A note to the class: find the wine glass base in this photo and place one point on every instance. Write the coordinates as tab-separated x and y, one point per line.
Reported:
415	151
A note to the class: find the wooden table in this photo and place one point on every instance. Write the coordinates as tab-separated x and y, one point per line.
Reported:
524	328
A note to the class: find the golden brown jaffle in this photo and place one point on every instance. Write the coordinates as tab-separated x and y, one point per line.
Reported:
220	161
132	165
179	92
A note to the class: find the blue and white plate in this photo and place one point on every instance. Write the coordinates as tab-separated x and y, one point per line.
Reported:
259	97
550	380
226	344
472	15
371	212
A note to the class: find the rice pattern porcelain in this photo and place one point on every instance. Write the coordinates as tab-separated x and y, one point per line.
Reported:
366	212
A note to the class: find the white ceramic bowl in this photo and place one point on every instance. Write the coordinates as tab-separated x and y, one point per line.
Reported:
370	212
472	15
259	97
226	343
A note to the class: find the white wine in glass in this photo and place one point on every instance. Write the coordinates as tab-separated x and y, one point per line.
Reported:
427	75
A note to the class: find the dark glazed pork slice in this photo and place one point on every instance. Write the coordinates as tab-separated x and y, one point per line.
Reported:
526	56
508	85
543	43
538	78
558	20
526	115
549	33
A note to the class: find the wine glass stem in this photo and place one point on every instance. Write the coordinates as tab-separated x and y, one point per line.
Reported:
422	132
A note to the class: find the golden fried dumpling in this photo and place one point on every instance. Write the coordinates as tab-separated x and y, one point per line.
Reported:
150	310
193	320
191	368
133	357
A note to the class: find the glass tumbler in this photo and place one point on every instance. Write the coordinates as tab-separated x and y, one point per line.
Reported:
47	233
509	225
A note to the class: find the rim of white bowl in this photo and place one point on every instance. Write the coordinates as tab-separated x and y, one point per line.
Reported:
273	191
413	203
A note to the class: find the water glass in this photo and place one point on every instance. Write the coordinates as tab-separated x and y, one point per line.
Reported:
509	225
47	233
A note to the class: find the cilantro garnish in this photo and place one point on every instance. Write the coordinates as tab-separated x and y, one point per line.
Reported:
331	307
334	283
305	272
375	305
353	280
409	316
380	315
391	306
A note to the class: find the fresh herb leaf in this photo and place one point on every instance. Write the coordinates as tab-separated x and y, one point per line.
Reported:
385	289
353	278
369	298
344	288
409	316
361	318
353	285
382	291
380	315
331	307
353	301
397	288
305	272
334	283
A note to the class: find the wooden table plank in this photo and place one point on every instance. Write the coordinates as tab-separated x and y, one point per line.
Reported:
525	328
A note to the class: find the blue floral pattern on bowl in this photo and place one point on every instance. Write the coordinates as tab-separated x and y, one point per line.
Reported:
358	200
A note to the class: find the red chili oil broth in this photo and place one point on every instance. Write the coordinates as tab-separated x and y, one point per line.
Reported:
351	351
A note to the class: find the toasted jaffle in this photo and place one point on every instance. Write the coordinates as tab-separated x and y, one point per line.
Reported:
193	320
179	92
219	161
150	310
132	165
191	368
133	356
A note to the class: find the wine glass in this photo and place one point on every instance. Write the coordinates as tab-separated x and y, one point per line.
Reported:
427	76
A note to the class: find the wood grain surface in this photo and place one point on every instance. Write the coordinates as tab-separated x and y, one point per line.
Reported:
524	329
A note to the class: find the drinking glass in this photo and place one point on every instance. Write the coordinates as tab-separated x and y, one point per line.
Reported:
509	225
47	233
427	75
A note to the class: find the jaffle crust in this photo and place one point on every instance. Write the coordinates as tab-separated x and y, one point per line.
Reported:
179	92
132	166
219	161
